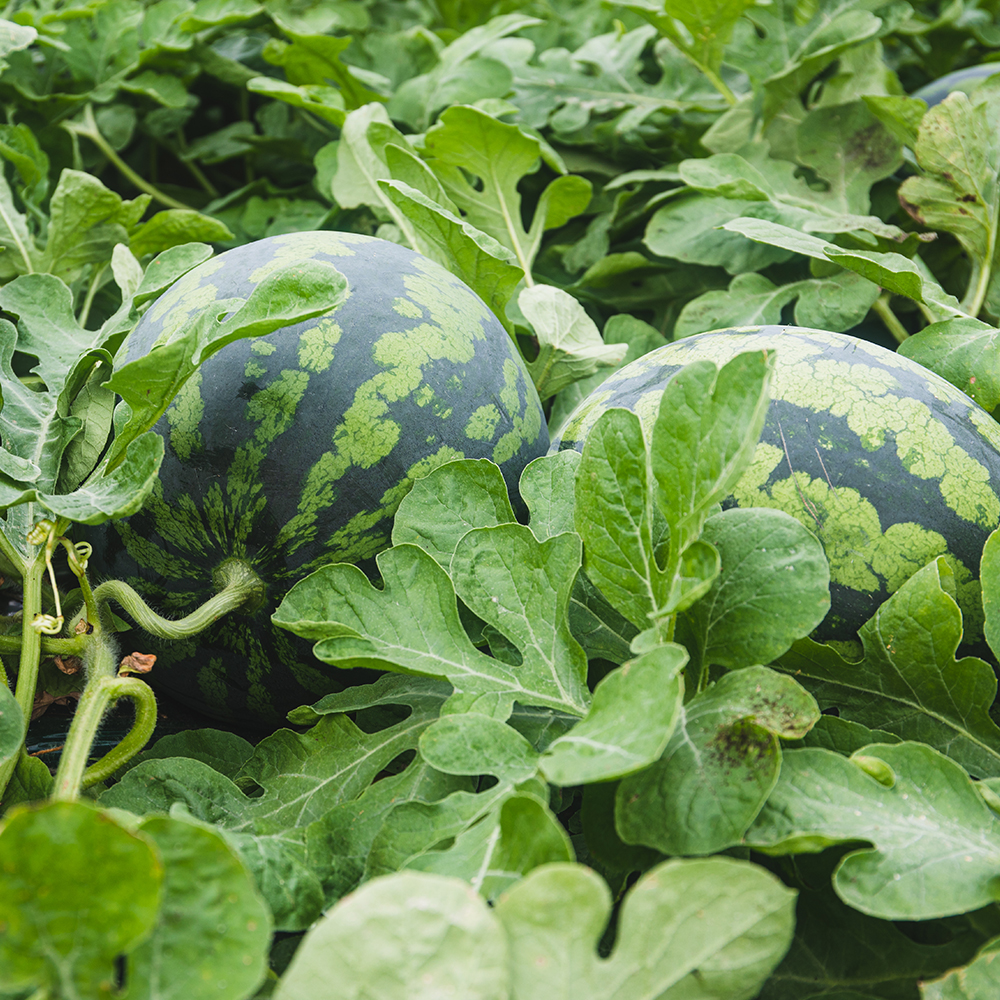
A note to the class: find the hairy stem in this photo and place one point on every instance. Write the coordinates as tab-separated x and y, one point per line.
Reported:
239	585
883	310
30	653
90	131
136	738
103	690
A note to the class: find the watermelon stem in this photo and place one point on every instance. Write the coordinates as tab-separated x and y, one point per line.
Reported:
103	690
240	587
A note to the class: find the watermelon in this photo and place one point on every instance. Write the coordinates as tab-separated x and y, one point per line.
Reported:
887	463
961	79
294	449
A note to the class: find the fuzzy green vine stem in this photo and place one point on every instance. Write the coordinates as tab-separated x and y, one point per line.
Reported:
239	586
884	311
103	690
89	130
30	653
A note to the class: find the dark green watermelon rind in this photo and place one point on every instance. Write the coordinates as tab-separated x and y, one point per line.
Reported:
438	359
830	445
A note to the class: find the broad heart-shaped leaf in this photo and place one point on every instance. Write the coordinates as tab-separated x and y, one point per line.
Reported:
979	980
213	929
287	295
412	624
409	936
909	682
718	768
936	844
570	347
773	588
704	437
11	724
707	929
960	156
467	139
965	352
76	891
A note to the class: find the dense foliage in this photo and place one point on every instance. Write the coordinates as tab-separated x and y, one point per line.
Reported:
604	758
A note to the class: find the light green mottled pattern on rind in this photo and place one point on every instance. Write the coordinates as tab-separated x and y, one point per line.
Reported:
482	425
264	347
184	418
862	556
407	308
317	343
527	419
293	248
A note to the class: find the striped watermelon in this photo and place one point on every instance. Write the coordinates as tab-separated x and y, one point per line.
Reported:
294	449
888	464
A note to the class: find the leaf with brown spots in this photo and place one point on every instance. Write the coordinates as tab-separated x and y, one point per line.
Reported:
719	766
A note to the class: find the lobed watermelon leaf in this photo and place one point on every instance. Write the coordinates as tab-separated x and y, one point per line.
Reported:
936	843
909	682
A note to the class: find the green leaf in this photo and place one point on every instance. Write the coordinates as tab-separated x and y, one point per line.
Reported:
936	842
473	744
774	588
570	347
989	574
965	352
719	767
979	980
324	102
213	930
11	725
909	682
461	76
316	59
709	929
687	228
86	221
456	497
901	115
891	271
547	486
287	295
466	140
840	954
484	264
380	938
165	268
709	25
705	436
617	517
836	303
958	191
65	921
634	712
176	227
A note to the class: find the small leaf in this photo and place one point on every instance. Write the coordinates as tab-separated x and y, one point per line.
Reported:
570	345
718	768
